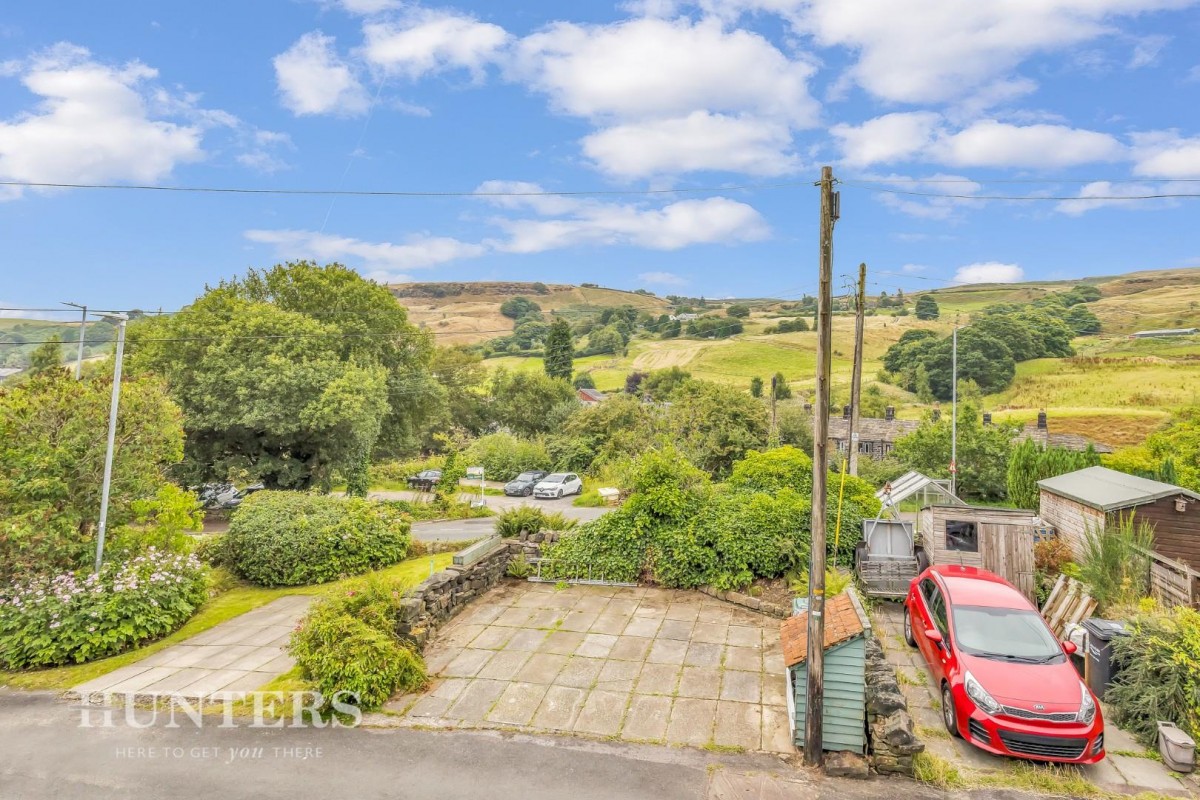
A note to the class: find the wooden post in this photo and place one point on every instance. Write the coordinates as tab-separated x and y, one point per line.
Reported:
773	436
814	701
860	312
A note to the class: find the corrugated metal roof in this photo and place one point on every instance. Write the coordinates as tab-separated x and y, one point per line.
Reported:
1107	490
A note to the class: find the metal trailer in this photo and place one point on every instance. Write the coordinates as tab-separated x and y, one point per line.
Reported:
888	557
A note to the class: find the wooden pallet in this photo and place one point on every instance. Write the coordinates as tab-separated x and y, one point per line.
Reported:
1068	604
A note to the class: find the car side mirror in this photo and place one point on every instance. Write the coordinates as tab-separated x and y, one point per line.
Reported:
1069	648
934	635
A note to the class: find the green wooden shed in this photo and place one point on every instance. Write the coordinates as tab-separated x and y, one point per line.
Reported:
845	697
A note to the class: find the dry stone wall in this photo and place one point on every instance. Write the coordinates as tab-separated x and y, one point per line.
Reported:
889	726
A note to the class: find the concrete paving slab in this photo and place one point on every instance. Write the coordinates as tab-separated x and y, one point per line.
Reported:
476	700
1145	773
493	637
712	632
744	658
111	679
460	635
563	643
621	606
560	708
618	675
513	617
602	713
505	665
776	730
691	721
596	645
518	703
592	602
430	706
684	612
658	679
630	648
468	663
526	639
580	672
738	725
449	688
542	668
142	680
743	687
710	612
647	717
700	682
676	629
643	626
668	651
703	654
547	618
579	620
213	681
610	623
253	681
774	690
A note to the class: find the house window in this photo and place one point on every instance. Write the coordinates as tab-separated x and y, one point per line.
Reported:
962	537
865	448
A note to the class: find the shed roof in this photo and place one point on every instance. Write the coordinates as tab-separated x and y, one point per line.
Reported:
910	483
1108	490
844	620
591	394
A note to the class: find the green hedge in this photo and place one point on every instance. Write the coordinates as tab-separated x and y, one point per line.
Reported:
294	538
504	456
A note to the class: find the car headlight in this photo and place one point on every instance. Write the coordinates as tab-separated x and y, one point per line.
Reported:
1087	706
977	693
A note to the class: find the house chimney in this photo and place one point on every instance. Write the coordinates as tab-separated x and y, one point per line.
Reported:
937	413
1042	420
987	418
845	412
889	413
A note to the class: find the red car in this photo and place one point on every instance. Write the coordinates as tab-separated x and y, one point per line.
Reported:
1007	685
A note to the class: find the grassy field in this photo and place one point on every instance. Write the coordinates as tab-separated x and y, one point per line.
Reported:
223	607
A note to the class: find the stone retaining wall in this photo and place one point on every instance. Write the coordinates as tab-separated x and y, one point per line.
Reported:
442	595
889	726
746	601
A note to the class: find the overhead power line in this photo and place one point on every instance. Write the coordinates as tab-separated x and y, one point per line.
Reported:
1021	198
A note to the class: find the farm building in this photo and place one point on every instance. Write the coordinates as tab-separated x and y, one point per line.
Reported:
1095	497
999	540
845	696
590	397
1164	332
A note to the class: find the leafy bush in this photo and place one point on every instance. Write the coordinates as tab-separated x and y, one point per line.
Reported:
293	538
1160	674
531	519
401	471
1115	565
440	507
1050	555
836	581
519	567
211	549
77	617
347	644
504	456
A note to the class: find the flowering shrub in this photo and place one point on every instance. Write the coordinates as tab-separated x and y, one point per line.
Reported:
77	616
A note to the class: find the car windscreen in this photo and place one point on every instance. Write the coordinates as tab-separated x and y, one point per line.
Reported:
1005	633
555	478
527	476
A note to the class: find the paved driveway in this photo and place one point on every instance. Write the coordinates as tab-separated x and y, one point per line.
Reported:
644	665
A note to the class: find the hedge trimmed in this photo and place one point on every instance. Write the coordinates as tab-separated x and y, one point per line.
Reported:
294	538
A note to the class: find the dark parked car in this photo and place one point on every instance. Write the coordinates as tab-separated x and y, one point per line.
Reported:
223	496
425	480
522	485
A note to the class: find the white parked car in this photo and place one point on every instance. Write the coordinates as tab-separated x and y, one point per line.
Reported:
558	484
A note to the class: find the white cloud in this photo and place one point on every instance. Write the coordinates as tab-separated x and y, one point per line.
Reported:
313	79
649	68
367	7
940	208
989	272
662	278
1146	50
94	123
1165	154
913	269
887	139
1107	191
523	194
428	41
699	141
918	51
416	252
989	143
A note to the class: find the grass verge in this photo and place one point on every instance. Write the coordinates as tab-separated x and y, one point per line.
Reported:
1036	778
225	606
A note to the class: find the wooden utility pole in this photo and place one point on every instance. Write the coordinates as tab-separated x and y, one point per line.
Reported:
814	701
860	312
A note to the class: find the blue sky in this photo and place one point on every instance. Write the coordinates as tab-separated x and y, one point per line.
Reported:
1057	98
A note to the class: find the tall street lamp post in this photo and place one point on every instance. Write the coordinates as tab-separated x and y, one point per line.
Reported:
120	319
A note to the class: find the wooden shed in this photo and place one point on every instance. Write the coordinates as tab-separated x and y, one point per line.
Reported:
999	540
1096	497
845	696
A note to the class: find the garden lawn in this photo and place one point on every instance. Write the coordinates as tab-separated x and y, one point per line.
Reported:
221	608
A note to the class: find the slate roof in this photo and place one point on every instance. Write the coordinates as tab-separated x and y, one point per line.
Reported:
1108	490
844	620
873	429
1067	441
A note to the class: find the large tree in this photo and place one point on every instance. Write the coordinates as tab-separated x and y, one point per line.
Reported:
715	424
926	307
559	352
46	356
983	452
523	401
291	373
52	449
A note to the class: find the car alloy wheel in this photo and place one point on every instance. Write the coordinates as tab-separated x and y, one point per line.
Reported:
528	492
559	495
908	631
948	715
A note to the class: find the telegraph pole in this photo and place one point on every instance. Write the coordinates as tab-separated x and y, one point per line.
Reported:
82	328
815	706
773	438
860	312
